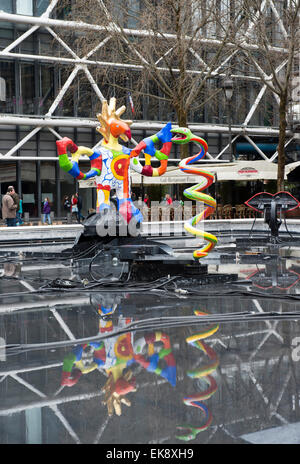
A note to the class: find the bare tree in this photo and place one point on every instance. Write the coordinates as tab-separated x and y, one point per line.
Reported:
274	31
175	49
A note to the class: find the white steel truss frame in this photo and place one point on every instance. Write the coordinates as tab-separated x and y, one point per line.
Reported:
82	64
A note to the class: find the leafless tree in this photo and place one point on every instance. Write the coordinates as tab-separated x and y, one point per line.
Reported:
274	30
175	49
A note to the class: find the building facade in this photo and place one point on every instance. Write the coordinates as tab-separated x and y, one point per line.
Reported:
48	92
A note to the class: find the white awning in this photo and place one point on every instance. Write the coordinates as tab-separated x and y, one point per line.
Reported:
247	170
239	170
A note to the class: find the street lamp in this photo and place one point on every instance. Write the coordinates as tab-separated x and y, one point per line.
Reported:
228	90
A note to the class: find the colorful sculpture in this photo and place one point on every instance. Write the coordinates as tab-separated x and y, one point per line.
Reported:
184	135
111	162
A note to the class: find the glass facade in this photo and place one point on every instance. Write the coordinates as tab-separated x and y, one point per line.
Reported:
27	93
6	5
7	72
28	188
24	7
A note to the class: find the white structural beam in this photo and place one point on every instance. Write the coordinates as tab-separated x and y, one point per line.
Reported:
62	323
62	42
255	104
110	64
63	90
47	122
256	148
226	147
80	25
54	408
142	125
272	159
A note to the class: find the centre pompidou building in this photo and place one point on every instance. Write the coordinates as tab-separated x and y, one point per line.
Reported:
220	67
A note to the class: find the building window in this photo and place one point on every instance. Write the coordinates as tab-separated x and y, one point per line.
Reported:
7	73
41	6
27	88
46	84
7	175
48	183
24	7
29	188
6	5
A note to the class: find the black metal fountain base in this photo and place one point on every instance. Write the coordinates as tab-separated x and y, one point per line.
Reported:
273	207
146	257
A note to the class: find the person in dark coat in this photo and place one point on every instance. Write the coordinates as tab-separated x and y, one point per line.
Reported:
67	204
79	206
46	211
9	208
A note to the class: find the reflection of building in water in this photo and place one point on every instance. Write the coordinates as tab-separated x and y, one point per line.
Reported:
258	382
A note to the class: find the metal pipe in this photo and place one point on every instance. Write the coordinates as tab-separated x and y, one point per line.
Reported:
106	64
80	25
142	125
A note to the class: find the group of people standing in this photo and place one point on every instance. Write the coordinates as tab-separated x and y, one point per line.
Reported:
12	208
73	205
166	200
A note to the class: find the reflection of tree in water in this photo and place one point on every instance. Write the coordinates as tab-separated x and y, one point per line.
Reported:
203	373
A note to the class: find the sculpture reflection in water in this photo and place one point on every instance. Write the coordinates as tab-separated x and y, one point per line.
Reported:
117	355
204	373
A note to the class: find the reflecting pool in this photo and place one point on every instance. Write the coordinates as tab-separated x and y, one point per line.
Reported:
87	360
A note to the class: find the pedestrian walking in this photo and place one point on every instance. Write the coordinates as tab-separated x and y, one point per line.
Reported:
74	206
9	208
79	207
66	204
168	199
46	211
147	200
16	199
